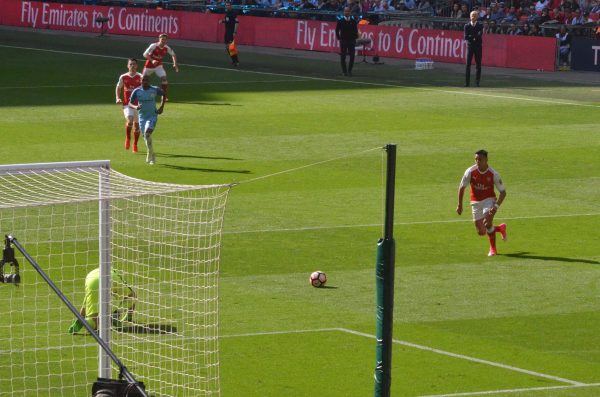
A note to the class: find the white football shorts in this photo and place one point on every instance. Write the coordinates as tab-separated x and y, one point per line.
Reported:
130	112
480	209
159	70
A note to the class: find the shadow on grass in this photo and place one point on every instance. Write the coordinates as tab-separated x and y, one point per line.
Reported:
205	103
527	255
182	168
190	156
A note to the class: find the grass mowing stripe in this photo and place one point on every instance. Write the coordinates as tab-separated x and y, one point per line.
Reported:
453	92
299	80
463	220
508	391
469	358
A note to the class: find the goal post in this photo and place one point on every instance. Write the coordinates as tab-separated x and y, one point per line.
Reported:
159	242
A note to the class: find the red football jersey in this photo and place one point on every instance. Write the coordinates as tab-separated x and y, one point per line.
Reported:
156	54
482	183
129	83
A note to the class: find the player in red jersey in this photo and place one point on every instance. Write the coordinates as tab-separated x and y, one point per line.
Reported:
484	203
154	55
127	83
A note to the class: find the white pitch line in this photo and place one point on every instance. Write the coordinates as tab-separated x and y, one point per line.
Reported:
509	391
421	347
473	359
293	331
463	220
470	92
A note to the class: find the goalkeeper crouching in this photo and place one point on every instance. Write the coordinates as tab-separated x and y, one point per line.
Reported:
123	300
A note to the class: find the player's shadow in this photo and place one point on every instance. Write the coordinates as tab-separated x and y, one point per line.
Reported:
329	287
527	255
189	156
200	169
202	103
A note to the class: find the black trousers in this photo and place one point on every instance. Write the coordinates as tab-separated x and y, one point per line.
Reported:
473	51
347	48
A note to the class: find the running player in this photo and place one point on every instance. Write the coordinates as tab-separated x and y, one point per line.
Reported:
154	55
484	203
127	83
144	98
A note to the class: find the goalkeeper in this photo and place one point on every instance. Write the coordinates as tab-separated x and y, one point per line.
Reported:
123	298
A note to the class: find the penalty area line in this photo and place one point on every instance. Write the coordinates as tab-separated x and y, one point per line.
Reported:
509	391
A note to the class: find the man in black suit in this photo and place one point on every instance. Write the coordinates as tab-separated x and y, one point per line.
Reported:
473	37
346	32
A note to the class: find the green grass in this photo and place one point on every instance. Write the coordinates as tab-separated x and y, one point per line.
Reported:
534	307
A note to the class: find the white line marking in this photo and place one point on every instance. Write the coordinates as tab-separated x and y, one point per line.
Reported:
507	391
470	92
463	220
293	331
421	347
469	358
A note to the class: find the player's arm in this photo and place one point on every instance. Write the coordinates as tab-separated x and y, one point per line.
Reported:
148	53
118	91
174	57
163	99
133	101
501	196
464	182
461	193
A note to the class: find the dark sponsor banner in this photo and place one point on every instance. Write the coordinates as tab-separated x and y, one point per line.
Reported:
385	41
585	54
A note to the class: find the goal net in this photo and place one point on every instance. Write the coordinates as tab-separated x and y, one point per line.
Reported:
160	241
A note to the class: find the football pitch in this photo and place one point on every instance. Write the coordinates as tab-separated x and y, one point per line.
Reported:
305	145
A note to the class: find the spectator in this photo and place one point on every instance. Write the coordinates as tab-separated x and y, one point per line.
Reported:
564	44
595	7
307	5
425	6
526	29
503	28
577	18
464	11
557	16
486	27
456	12
493	27
535	30
545	17
568	16
541	4
446	9
496	13
513	29
410	5
512	16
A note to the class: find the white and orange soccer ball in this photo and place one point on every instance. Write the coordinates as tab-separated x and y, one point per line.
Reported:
318	279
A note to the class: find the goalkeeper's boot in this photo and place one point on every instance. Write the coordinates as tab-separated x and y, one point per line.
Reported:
502	230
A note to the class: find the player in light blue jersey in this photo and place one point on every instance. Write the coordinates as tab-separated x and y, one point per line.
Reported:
144	100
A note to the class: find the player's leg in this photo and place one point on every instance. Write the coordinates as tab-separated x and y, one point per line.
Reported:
488	221
150	125
164	84
136	130
127	112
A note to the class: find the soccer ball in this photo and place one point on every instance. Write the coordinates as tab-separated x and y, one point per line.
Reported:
318	279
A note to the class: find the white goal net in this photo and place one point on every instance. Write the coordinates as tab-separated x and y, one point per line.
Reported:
162	242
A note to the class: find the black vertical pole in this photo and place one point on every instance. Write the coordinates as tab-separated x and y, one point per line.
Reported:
384	274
